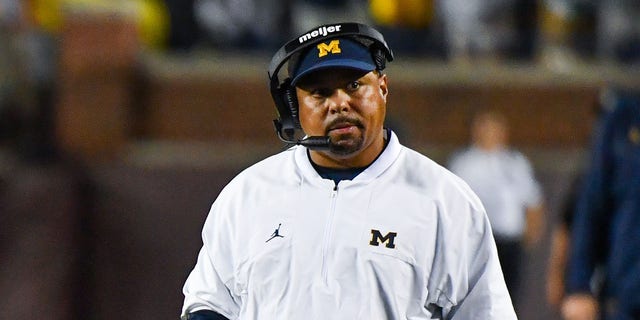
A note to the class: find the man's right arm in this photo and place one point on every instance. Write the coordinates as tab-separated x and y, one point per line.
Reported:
206	286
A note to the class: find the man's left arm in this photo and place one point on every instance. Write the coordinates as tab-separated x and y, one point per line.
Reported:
204	315
478	289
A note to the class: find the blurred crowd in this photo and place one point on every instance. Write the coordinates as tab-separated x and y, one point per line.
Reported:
555	33
552	31
452	29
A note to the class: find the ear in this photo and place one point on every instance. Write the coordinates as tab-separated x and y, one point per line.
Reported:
382	84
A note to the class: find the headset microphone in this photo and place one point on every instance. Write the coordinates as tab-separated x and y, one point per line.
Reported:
312	142
316	142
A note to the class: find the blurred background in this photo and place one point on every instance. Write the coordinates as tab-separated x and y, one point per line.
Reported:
121	120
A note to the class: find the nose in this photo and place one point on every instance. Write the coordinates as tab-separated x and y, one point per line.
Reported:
339	101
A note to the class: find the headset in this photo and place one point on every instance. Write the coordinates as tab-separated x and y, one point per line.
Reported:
284	94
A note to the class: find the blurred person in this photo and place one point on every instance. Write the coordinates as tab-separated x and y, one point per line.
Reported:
36	219
561	231
348	223
567	32
479	29
307	14
255	25
28	64
505	182
153	21
525	17
603	274
618	31
462	27
412	26
184	31
10	23
12	79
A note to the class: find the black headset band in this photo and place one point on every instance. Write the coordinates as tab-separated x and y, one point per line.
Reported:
319	34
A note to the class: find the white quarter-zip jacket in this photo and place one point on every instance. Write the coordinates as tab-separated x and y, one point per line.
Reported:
405	239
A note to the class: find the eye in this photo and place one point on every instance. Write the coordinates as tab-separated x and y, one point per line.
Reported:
354	85
320	92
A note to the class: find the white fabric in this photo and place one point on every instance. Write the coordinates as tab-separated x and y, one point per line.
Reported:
505	183
324	267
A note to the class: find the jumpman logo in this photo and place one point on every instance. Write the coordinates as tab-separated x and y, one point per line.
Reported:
276	233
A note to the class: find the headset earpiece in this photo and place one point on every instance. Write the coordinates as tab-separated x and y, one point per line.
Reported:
379	57
291	100
284	123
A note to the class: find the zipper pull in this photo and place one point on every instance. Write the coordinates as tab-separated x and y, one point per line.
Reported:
334	192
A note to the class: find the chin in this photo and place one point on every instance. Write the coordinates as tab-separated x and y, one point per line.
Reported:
346	147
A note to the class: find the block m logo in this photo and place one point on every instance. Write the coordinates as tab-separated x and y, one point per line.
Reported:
324	49
377	237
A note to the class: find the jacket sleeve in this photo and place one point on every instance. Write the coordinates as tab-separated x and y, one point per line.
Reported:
465	280
204	315
590	222
486	295
209	286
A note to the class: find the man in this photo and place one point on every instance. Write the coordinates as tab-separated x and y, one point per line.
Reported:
603	275
349	224
505	183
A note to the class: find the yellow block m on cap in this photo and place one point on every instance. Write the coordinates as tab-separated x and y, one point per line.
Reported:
332	47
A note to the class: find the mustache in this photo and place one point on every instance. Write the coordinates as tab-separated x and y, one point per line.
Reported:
342	120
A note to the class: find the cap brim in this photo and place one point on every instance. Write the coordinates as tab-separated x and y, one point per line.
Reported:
337	63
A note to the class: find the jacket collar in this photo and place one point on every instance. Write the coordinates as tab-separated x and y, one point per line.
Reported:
382	163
